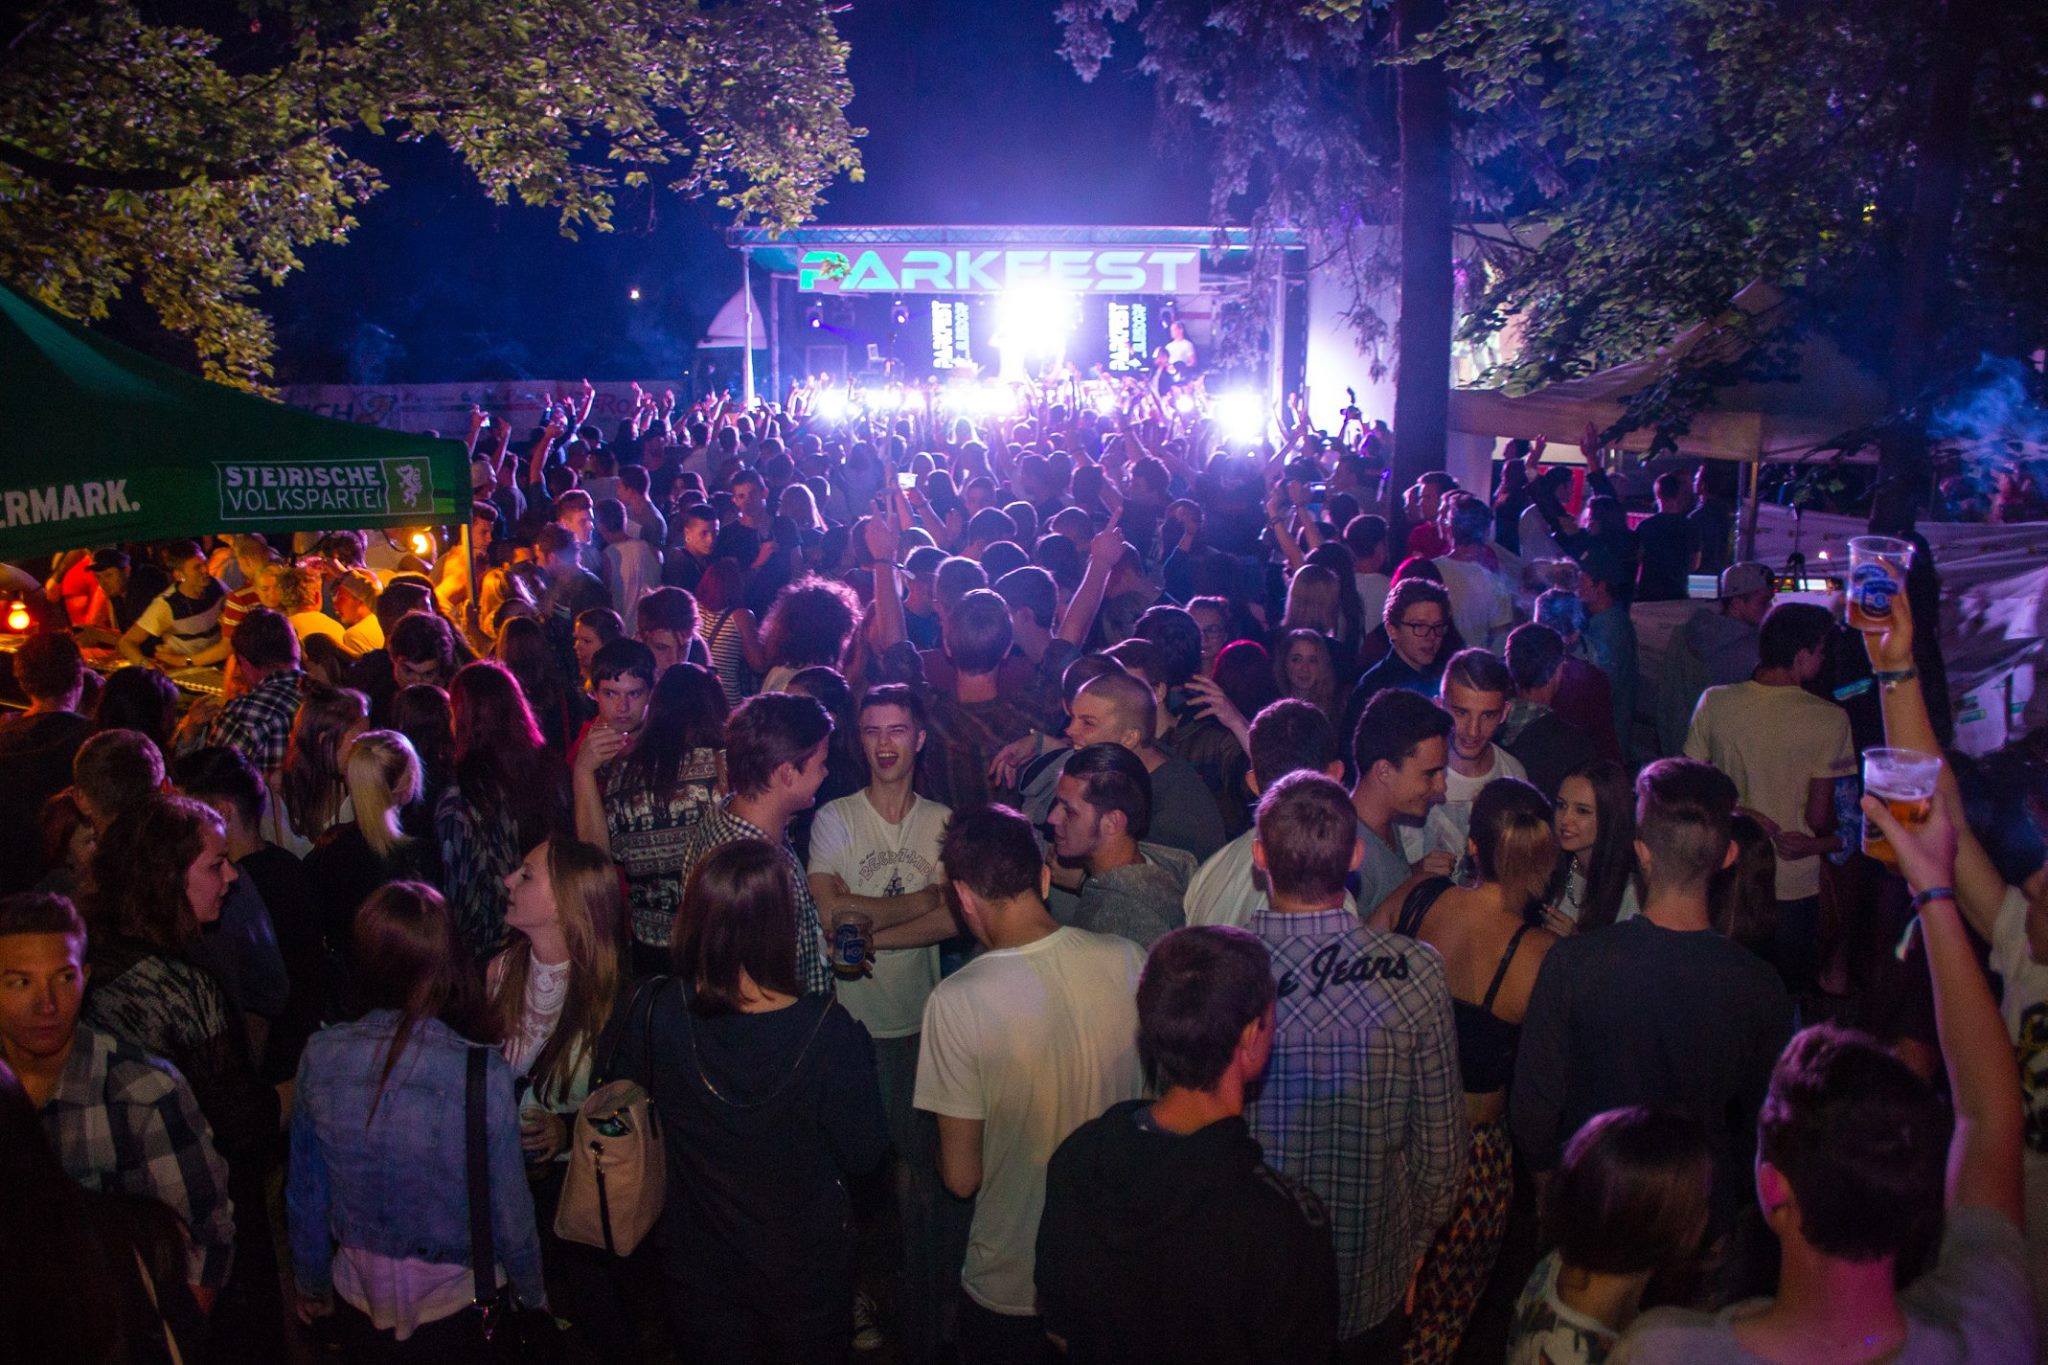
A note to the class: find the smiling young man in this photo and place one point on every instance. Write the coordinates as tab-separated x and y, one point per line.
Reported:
119	1120
875	852
1401	750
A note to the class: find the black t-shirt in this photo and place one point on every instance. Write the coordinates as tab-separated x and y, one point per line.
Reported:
1667	542
1637	1014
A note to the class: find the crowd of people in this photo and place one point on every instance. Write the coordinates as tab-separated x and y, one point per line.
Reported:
1055	884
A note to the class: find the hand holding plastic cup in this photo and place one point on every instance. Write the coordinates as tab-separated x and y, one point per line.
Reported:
1877	575
1904	780
853	946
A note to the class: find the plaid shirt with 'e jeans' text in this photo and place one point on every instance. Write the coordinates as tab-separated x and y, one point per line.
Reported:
1362	1101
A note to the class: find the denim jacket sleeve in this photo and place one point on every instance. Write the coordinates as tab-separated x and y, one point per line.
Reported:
512	1222
306	1198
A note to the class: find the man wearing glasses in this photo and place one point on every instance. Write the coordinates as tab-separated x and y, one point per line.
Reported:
1418	617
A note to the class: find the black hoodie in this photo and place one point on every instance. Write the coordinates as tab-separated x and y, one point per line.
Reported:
1157	1246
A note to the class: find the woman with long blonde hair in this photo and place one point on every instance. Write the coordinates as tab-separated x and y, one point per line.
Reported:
1492	944
382	776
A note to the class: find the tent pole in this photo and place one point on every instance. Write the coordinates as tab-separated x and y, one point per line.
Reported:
469	567
747	302
1747	548
774	338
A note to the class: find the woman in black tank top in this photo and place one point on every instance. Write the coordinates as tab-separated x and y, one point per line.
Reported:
1491	941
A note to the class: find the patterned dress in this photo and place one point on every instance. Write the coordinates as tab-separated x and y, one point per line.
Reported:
650	830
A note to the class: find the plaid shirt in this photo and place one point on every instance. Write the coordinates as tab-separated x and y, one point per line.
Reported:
122	1120
1362	1101
720	827
259	722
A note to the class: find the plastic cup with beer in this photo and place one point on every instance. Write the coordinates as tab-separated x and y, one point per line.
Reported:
1904	780
1877	574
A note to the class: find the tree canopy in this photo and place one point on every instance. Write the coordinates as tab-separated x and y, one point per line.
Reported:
195	159
1706	144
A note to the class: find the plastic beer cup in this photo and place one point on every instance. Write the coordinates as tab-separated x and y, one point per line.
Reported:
853	940
1877	574
1904	780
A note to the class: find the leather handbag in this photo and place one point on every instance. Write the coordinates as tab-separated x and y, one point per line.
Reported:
506	1329
617	1181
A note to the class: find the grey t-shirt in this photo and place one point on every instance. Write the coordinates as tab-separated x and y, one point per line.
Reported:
1184	811
1973	1306
1141	902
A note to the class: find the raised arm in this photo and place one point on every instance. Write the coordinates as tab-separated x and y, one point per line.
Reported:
1104	553
1984	1152
883	544
1980	891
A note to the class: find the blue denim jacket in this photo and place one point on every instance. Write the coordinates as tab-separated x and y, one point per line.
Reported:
397	1187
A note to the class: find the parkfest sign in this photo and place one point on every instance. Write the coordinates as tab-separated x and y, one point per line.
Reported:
991	270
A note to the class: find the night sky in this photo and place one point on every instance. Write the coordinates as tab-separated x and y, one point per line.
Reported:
972	118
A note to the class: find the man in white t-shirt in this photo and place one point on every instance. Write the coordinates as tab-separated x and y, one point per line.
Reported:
1785	748
1477	688
876	853
1021	1046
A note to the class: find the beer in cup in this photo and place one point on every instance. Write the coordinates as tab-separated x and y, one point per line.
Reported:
1877	574
1904	780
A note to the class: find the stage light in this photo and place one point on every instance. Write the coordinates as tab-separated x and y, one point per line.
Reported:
1107	403
899	314
1002	400
884	400
422	544
1182	403
1034	319
831	404
634	293
1240	415
814	314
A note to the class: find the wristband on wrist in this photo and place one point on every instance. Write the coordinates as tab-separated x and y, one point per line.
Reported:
1932	893
1891	677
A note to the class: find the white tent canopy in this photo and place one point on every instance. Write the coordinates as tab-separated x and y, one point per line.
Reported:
1749	421
729	329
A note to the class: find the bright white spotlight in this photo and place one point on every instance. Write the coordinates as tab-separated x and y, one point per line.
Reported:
1240	415
1107	402
831	404
1034	319
1182	403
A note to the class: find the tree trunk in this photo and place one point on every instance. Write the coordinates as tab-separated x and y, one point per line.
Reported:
1943	150
1422	377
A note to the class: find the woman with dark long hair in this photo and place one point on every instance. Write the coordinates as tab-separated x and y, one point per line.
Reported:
768	1102
378	1196
421	713
639	804
160	874
559	709
315	794
510	792
728	629
1492	946
139	699
1595	882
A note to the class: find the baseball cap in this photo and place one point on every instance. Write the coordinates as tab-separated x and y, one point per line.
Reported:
1746	577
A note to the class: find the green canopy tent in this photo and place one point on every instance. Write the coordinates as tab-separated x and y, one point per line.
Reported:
105	444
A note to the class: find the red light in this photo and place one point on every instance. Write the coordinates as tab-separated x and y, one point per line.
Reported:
17	616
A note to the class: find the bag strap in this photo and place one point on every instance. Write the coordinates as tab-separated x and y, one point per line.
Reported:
483	1256
614	1036
1500	973
1416	908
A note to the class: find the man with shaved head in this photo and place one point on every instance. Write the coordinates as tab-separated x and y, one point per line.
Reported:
1117	708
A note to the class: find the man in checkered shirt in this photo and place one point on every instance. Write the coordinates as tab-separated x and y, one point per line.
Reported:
1362	1100
774	764
118	1119
263	669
